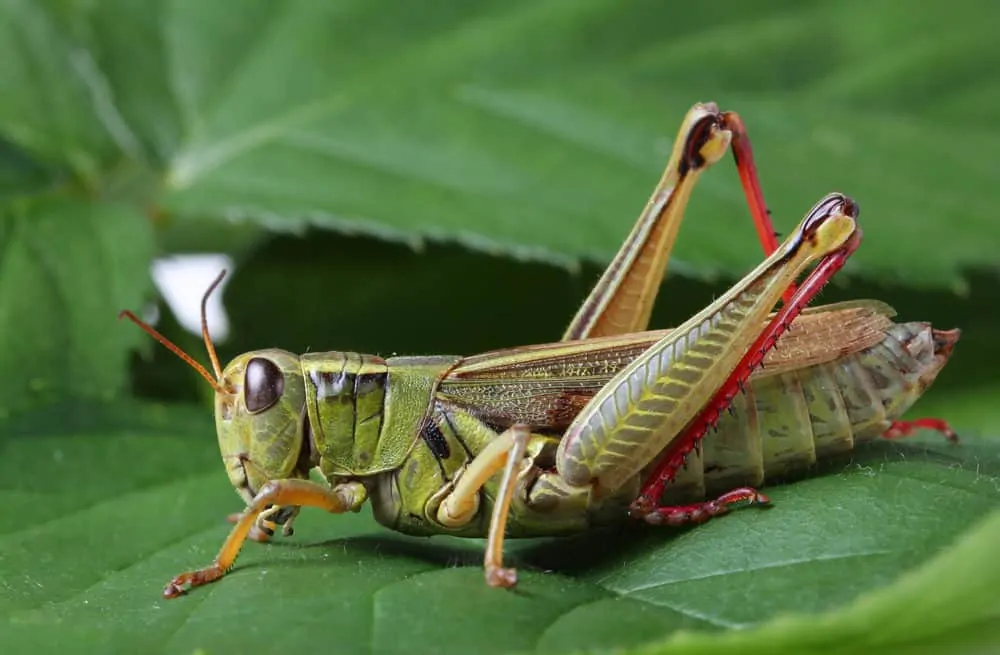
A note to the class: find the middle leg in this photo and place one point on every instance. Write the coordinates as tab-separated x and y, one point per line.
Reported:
506	451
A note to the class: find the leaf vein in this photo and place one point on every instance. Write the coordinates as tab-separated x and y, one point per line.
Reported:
762	567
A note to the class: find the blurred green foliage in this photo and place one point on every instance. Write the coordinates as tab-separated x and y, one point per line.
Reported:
397	177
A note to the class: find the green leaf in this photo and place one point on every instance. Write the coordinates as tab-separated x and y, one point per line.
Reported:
526	128
67	267
890	620
102	506
501	127
54	106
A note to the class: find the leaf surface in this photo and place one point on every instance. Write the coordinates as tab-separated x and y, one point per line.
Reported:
102	507
66	269
534	129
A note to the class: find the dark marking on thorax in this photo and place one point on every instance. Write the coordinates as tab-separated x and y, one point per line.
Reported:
435	439
330	384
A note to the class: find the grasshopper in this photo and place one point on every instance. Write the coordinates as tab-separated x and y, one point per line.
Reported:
594	429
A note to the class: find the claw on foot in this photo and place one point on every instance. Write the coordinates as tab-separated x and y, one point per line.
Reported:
641	507
900	429
677	515
191	579
501	577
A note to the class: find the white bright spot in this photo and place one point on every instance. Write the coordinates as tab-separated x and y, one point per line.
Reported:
183	279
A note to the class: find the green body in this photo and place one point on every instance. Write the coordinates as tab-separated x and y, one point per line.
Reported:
406	427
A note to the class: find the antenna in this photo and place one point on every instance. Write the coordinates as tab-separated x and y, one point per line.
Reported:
216	381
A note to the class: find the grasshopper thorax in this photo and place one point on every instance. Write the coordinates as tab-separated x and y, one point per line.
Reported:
261	420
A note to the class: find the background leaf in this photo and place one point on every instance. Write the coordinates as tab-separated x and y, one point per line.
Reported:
66	267
528	128
533	129
544	125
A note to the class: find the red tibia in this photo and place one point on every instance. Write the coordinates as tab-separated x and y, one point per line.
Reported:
743	155
677	452
701	512
900	429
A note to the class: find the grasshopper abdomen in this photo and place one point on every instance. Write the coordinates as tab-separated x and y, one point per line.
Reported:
787	422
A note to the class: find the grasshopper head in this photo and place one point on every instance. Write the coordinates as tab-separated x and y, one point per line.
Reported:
260	410
260	418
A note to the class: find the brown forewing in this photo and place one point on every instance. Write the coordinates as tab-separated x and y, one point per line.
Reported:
547	385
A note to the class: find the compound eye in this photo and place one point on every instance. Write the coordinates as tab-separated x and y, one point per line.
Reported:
263	384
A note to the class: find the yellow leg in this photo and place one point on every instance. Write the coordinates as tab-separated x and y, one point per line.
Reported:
506	451
303	493
622	300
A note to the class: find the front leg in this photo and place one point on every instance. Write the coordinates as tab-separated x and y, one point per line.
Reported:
301	493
